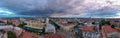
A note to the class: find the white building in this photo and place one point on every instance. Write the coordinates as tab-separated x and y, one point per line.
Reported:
50	28
47	20
18	31
6	27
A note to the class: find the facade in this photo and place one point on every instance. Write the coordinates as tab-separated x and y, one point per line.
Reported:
67	24
2	24
47	20
9	27
36	25
3	34
18	31
67	28
5	21
50	28
16	22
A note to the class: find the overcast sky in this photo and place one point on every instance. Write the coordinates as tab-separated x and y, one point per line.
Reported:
60	8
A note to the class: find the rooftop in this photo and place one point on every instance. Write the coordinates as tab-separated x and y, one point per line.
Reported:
29	35
56	35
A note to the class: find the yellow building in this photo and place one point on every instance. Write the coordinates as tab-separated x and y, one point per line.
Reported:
36	24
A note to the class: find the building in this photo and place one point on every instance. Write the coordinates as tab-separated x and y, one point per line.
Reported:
2	24
50	28
36	25
47	20
22	19
3	34
16	22
56	35
29	35
5	21
67	24
18	31
8	27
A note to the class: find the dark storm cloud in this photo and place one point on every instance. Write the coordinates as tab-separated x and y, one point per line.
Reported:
61	7
31	7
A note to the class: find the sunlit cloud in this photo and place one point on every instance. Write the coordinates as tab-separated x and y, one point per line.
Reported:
4	11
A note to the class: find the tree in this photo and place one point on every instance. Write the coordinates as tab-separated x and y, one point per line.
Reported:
9	23
103	22
11	34
35	31
21	25
113	26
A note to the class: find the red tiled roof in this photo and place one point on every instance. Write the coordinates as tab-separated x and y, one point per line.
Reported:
57	35
85	28
29	35
109	29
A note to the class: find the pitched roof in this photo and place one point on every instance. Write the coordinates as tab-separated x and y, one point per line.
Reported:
56	35
29	35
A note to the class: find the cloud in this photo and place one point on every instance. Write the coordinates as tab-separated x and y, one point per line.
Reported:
4	11
64	8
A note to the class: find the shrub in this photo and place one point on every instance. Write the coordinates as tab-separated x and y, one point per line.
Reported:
11	34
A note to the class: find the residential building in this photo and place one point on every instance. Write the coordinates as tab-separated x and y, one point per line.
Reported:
50	28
